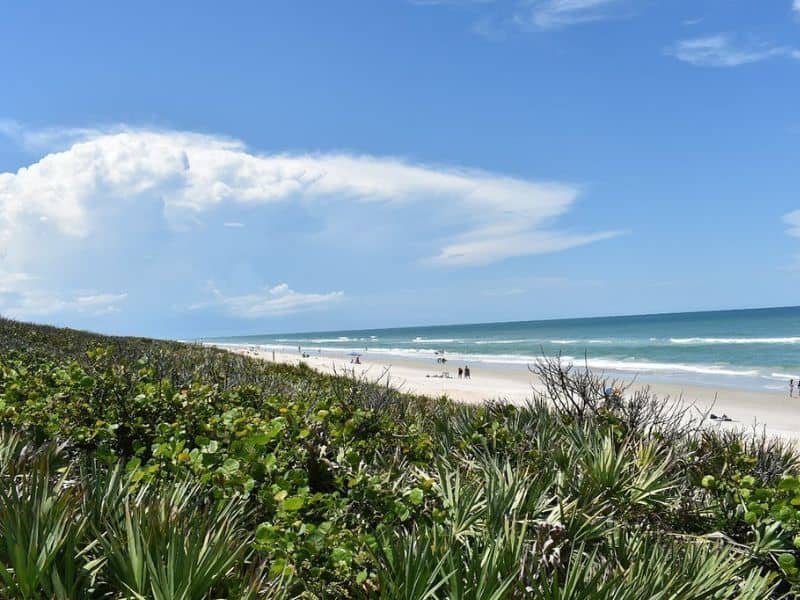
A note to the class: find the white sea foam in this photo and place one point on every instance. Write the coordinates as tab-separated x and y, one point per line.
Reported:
491	342
327	340
654	367
620	341
421	340
739	340
784	376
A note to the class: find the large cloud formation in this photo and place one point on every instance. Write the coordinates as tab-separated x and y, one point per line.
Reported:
109	195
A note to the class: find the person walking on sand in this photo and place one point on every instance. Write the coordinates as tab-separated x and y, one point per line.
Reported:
466	372
460	372
791	387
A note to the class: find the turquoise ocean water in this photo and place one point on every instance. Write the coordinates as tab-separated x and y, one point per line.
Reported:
756	349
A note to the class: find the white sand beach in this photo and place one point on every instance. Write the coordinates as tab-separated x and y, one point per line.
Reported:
775	411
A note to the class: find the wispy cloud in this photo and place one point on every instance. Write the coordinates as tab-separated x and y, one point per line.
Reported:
270	302
46	139
539	284
796	6
489	28
792	219
691	22
536	15
724	50
502	293
485	247
557	14
233	224
12	283
24	296
451	2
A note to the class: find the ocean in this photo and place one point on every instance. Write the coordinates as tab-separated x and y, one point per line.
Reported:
755	349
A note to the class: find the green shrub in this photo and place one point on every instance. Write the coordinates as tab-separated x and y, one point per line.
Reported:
154	469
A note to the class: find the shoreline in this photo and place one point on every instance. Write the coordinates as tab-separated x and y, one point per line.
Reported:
773	411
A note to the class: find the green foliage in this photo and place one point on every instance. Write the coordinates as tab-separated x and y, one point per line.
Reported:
42	530
169	547
173	471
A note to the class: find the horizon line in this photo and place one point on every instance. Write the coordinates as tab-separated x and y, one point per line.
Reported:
546	320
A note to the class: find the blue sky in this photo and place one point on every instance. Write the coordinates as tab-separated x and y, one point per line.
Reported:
192	169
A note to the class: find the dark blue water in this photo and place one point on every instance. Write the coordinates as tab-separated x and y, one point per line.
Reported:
753	348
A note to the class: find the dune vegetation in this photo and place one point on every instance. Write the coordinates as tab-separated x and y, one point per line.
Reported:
136	468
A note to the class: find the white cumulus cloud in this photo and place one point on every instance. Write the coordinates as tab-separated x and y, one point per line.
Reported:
120	208
190	173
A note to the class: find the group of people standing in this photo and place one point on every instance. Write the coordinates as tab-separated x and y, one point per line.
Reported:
464	373
792	388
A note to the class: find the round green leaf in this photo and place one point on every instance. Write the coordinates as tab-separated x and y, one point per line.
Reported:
415	496
229	467
292	503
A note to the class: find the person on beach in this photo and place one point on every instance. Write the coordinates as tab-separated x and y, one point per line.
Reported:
466	371
791	387
460	372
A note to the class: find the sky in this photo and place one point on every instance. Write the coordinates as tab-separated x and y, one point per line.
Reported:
194	169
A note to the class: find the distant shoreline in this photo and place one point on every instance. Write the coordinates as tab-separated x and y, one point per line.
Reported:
775	411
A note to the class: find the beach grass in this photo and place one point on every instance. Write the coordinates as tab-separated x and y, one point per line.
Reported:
137	468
